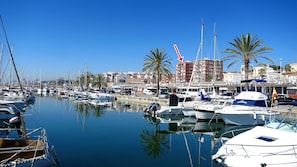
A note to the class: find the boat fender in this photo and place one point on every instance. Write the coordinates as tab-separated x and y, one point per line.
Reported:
263	117
255	115
14	120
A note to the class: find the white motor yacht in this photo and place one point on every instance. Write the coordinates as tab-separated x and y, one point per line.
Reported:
248	108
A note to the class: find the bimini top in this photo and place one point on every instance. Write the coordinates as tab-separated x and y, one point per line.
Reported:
253	80
250	98
251	95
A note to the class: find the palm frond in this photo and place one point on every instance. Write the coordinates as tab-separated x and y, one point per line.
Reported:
246	48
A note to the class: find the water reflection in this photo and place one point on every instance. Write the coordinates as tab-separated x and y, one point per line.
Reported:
201	139
127	135
158	142
154	143
89	110
128	107
98	111
209	127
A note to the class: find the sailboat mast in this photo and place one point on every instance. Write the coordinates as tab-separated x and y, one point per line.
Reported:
19	81
1	55
195	63
79	80
214	55
201	47
11	57
202	37
10	72
86	78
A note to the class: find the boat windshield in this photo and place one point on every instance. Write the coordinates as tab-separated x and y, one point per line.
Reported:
258	103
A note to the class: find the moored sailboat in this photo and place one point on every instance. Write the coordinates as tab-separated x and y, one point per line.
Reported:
32	150
19	146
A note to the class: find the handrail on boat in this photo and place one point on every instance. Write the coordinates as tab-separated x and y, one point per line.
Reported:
286	119
35	152
233	133
23	149
245	148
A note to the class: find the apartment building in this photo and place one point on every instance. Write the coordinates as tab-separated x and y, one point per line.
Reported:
205	70
184	71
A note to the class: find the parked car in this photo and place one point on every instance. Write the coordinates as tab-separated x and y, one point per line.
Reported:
284	99
163	95
148	92
125	92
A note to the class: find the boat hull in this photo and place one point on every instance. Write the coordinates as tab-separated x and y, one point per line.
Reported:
15	151
206	111
260	146
175	110
282	161
204	115
247	118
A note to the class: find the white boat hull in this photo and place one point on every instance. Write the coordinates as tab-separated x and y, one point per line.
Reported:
206	111
175	110
281	161
260	146
203	115
246	115
247	119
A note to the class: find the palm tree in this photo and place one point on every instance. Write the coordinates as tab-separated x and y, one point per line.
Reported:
288	68
245	49
262	72
99	81
275	67
85	79
157	62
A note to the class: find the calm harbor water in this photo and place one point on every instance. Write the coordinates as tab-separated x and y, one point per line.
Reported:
119	136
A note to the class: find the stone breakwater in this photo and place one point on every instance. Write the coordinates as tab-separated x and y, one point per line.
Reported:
142	99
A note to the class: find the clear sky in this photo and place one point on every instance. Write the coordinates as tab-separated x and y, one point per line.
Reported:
58	38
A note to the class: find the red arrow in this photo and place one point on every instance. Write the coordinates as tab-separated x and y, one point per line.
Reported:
179	57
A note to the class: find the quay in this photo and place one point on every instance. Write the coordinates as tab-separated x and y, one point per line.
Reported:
145	100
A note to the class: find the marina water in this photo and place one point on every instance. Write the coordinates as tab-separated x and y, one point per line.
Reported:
119	136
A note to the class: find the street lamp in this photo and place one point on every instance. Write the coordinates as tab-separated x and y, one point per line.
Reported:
280	69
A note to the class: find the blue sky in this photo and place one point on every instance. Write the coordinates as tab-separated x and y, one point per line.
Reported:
58	38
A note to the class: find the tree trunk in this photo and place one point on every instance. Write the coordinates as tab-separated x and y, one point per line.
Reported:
158	83
246	73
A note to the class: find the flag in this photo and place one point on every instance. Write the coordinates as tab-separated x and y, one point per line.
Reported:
274	95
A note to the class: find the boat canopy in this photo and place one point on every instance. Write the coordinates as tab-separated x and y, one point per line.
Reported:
251	95
250	98
252	103
253	80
